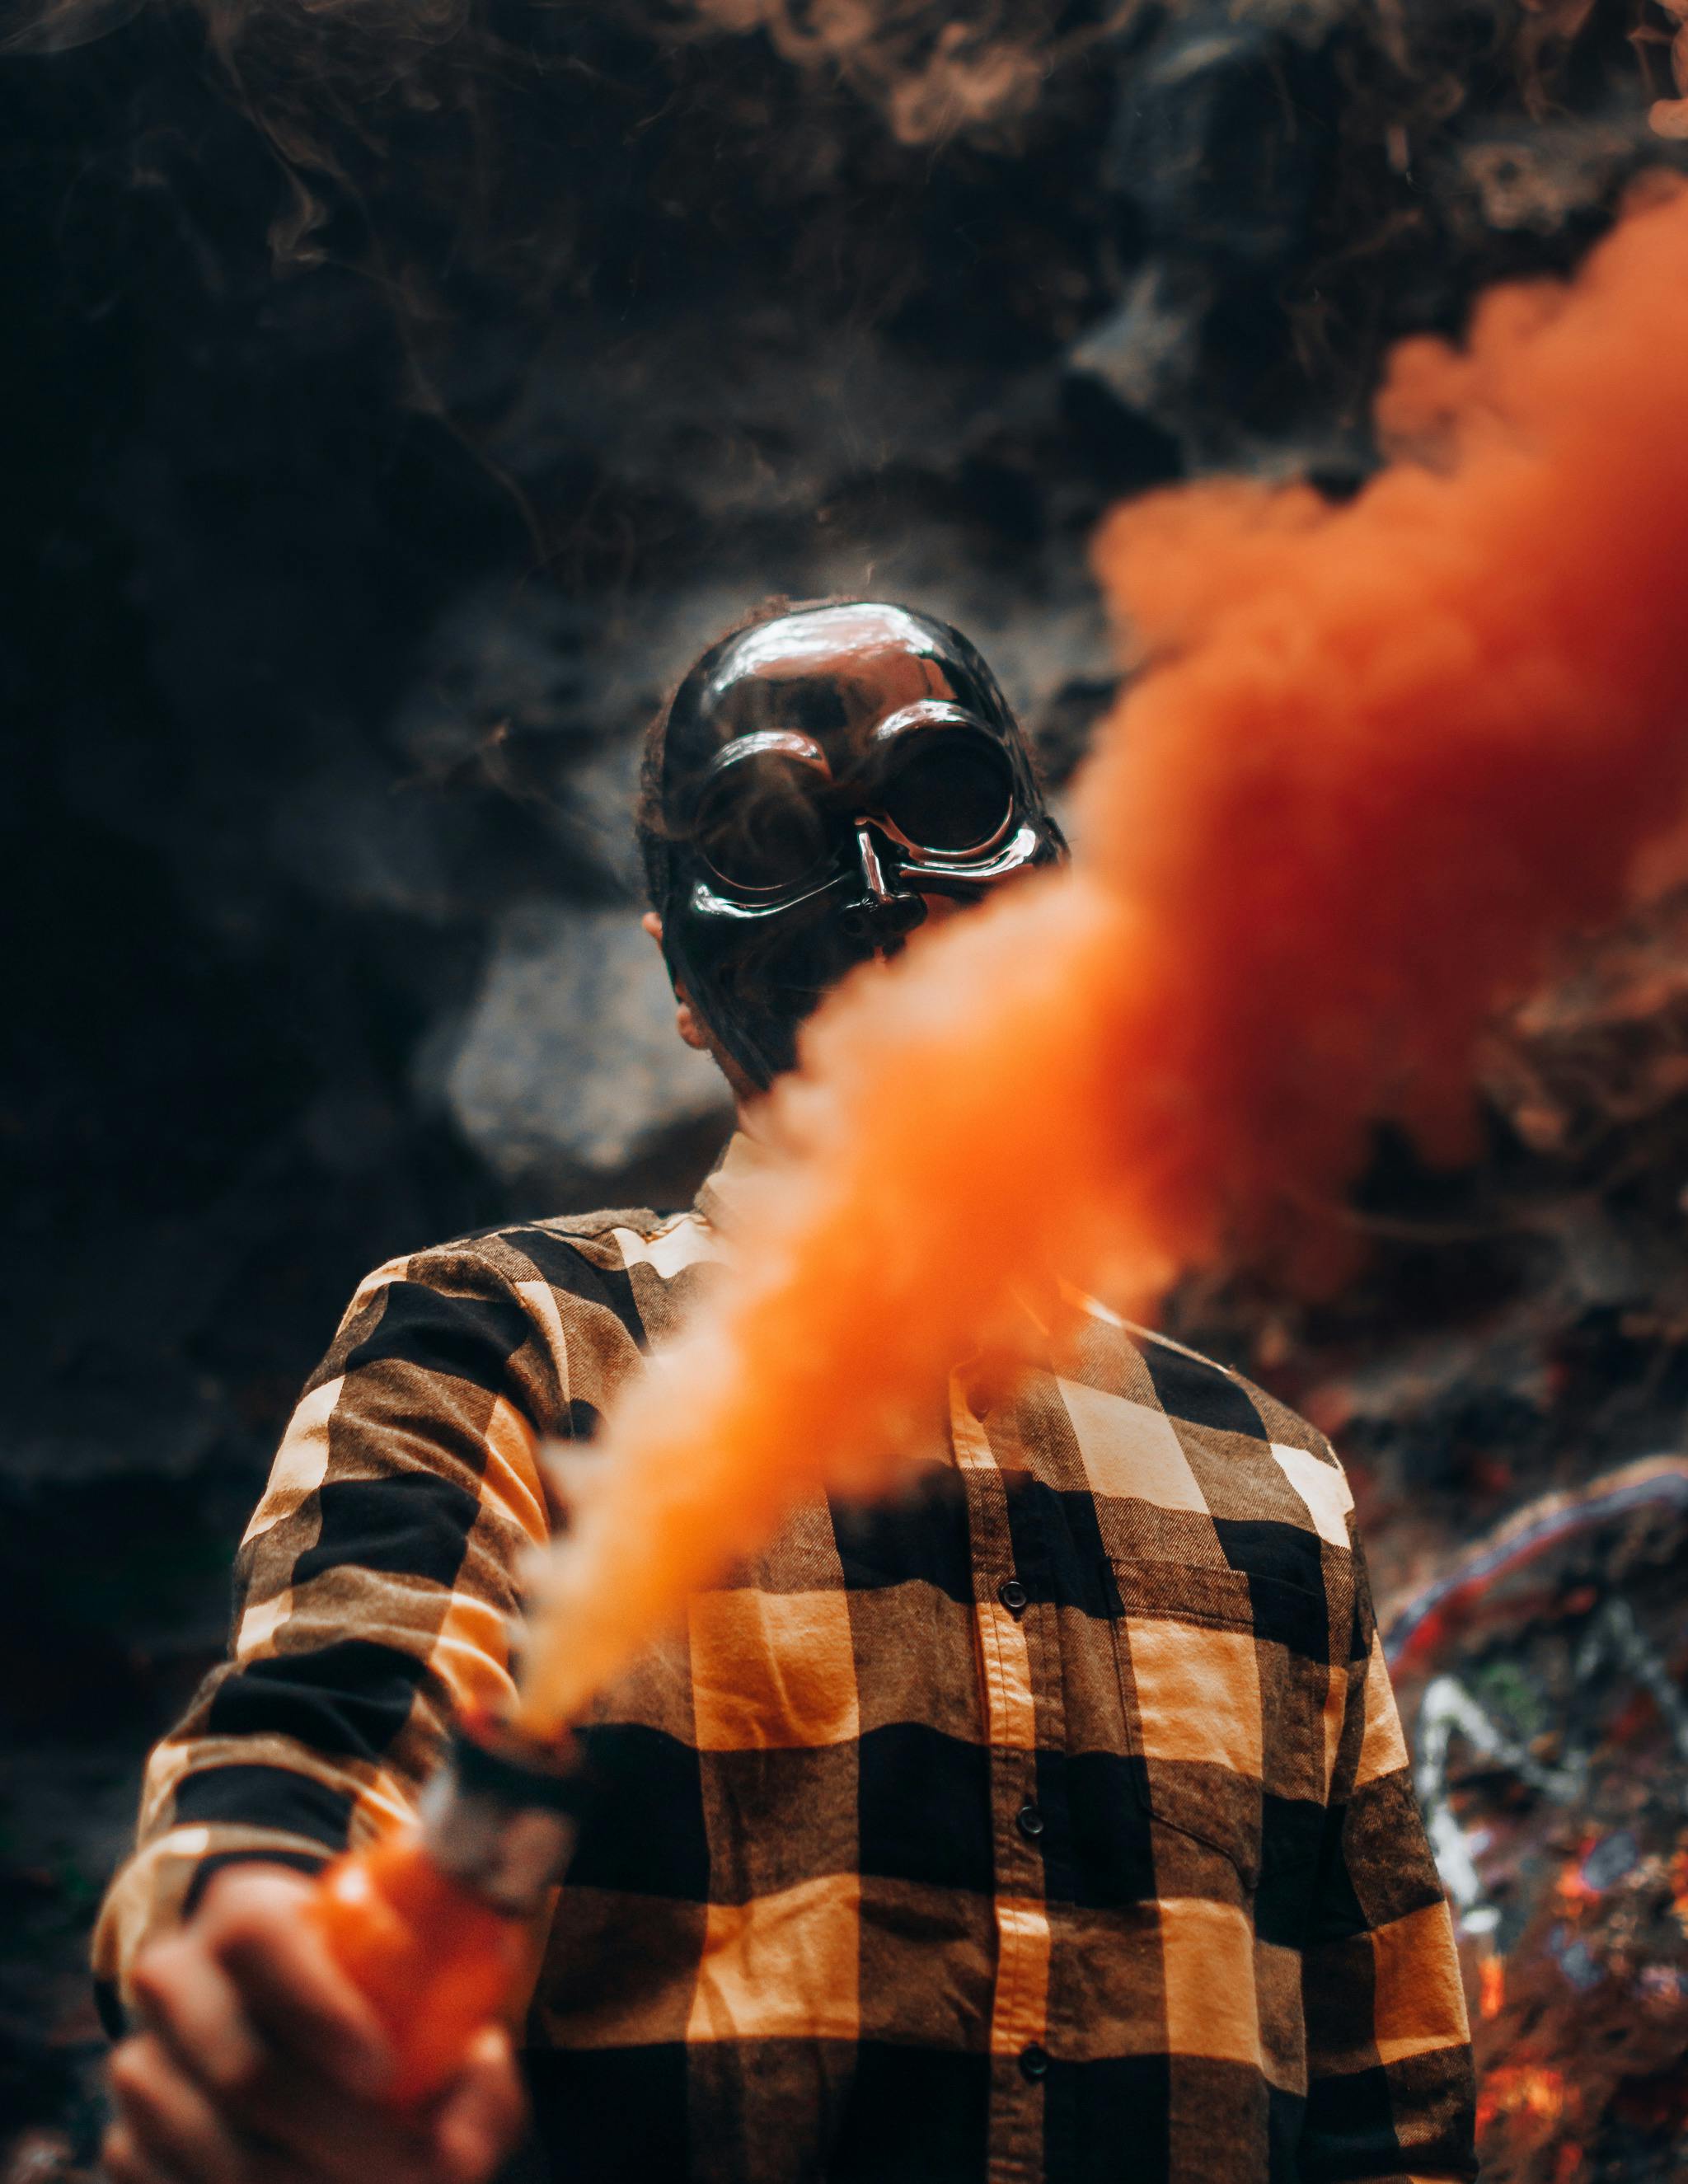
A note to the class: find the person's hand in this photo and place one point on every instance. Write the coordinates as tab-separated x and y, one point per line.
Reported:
261	2063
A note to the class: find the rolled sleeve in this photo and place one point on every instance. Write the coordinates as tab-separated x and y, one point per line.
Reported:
374	1591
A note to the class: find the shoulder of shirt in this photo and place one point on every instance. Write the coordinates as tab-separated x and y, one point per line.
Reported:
550	1270
1283	1426
512	1251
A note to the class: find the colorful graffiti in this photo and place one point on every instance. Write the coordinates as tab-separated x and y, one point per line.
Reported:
1544	1677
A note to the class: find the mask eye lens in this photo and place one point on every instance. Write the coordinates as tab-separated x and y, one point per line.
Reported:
953	793
760	829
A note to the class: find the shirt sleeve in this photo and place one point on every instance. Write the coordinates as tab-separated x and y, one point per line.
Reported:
1390	2094
374	1594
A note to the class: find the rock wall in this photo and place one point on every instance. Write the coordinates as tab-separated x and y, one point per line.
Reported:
395	397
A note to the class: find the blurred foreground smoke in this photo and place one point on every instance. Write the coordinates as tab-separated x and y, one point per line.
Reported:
396	396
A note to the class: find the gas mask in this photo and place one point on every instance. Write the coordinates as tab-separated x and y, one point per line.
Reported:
822	774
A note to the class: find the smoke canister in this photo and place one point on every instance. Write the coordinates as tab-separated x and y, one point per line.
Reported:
433	1920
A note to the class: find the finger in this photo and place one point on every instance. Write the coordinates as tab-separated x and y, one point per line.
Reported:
189	2002
123	2161
258	2088
170	2117
482	2116
261	2088
290	1986
323	2132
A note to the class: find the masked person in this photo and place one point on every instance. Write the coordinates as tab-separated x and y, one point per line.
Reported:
1052	1823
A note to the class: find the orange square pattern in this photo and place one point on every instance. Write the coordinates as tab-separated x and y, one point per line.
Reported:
1324	1489
1383	1748
1417	1999
772	1670
783	1967
1129	1451
1198	1692
1023	1947
1210	1998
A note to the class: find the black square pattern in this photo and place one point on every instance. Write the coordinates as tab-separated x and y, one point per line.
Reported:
925	1808
644	1825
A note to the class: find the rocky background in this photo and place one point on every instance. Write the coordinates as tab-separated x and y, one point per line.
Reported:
395	396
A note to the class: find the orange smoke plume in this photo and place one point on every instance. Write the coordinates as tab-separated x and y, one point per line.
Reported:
1381	758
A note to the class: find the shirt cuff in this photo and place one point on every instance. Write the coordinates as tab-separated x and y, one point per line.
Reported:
161	1884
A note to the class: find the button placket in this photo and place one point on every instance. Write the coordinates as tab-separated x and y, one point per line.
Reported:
1020	2004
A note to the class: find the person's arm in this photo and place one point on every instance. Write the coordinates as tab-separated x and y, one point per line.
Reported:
373	1593
374	1590
1390	2087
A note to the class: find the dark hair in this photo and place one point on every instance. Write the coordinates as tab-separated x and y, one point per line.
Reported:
648	828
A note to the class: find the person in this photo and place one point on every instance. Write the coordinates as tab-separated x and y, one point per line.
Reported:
1052	1820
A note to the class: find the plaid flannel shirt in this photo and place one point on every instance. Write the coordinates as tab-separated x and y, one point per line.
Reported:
1052	1821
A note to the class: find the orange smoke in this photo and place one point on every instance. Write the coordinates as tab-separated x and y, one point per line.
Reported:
1381	758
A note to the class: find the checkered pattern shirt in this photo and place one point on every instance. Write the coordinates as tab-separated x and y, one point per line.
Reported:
1051	1821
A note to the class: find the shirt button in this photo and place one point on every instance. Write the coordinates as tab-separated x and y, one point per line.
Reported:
1029	1821
1012	1595
979	1400
1033	2062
